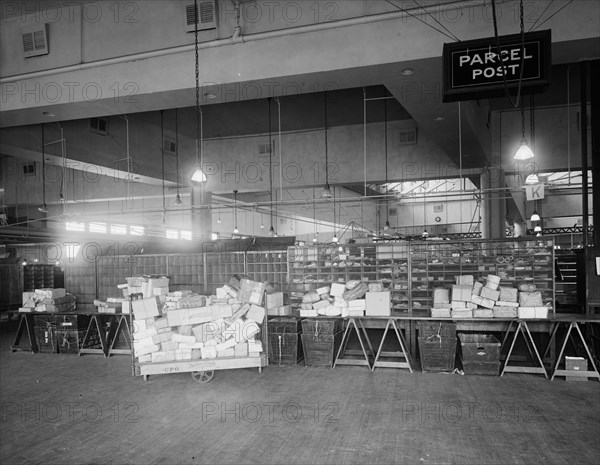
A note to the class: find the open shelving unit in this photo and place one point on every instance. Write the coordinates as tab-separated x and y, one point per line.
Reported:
412	270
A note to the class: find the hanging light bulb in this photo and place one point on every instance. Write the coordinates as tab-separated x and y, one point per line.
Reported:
538	234
219	219
387	225
235	230
335	239
262	226
524	152
425	234
326	192
271	231
537	229
535	216
43	208
532	179
178	200
315	239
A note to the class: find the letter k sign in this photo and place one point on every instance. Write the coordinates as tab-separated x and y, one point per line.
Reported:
535	192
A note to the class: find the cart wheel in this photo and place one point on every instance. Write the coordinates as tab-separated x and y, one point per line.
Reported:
202	377
146	377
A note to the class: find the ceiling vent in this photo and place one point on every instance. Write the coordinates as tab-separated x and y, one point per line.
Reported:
35	40
99	126
408	136
207	18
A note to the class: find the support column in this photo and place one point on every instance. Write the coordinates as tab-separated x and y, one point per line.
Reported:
493	205
201	217
595	97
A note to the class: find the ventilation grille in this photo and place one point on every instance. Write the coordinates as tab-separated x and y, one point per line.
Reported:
393	211
29	169
99	126
35	40
169	146
438	208
264	149
207	17
408	136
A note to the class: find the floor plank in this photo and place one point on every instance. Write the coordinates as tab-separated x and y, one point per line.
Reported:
64	409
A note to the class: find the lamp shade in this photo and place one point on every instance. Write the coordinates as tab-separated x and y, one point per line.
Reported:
387	225
535	216
524	152
326	192
199	175
537	229
532	179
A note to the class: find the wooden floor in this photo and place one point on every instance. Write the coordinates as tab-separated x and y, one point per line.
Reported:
61	409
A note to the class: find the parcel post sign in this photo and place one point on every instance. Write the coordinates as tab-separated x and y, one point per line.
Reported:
474	69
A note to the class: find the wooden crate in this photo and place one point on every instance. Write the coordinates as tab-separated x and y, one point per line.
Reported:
318	353
479	348
45	339
437	354
481	368
70	341
285	349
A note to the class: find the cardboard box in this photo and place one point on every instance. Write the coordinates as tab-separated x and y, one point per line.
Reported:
487	293
274	300
441	296
477	286
526	312
280	311
337	289
493	281
378	304
461	293
483	313
320	304
441	313
530	299
226	352
169	346
508	294
324	290
505	312
251	292
146	308
49	293
576	364
464	280
145	358
28	299
355	312
502	303
241	349
527	287
162	337
308	313
462	313
256	313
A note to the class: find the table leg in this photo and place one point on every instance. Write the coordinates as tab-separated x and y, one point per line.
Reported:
524	369
339	360
25	326
588	373
541	363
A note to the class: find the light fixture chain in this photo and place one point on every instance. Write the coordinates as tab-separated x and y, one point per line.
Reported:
197	72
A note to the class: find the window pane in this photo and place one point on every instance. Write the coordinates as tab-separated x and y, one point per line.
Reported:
98	228
73	226
172	234
187	235
137	230
118	229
